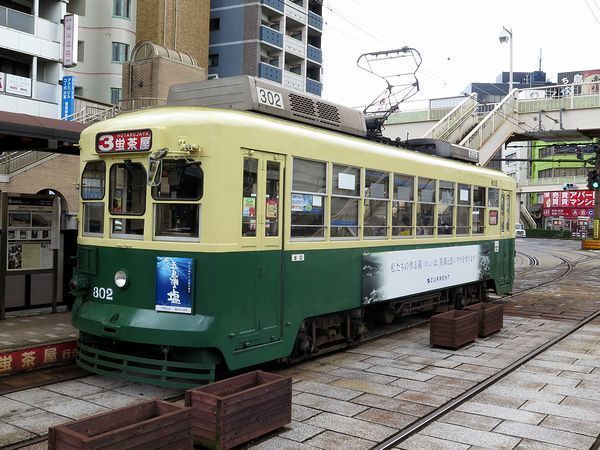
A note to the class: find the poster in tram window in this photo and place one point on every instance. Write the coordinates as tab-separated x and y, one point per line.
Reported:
174	284
389	275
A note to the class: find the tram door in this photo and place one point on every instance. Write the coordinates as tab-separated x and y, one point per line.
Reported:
260	314
506	230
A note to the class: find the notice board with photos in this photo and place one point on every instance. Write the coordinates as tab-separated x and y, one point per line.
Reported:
30	238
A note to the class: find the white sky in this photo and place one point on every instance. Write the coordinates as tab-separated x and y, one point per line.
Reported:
457	39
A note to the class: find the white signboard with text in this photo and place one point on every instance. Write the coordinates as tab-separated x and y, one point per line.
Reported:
389	275
70	38
18	85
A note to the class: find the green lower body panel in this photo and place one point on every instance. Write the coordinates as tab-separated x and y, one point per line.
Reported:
162	372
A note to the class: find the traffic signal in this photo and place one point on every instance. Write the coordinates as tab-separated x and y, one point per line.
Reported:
593	182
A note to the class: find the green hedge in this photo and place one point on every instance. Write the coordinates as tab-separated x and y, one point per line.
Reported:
550	234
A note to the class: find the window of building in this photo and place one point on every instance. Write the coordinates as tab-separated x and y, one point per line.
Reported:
213	60
214	24
376	203
122	8
425	206
446	199
345	197
115	95
308	198
403	206
120	52
296	35
80	51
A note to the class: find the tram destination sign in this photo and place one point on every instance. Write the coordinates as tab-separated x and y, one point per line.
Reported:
389	275
124	141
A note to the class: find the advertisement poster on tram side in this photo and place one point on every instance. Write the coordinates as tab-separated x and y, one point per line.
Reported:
389	275
174	284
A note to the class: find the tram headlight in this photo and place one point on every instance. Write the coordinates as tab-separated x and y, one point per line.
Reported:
121	279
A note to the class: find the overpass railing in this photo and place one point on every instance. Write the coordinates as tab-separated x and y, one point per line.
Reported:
563	96
492	122
10	162
454	119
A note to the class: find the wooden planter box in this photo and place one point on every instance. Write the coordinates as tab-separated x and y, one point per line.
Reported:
453	329
490	317
149	425
233	411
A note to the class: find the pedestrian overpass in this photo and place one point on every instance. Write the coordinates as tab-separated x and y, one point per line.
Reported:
568	112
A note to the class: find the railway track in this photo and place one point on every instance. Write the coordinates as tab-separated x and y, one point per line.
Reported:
478	388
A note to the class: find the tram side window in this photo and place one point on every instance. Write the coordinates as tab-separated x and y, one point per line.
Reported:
127	188
92	180
249	195
272	199
425	206
493	203
309	182
181	180
92	188
403	205
478	209
463	209
93	218
376	203
345	195
446	200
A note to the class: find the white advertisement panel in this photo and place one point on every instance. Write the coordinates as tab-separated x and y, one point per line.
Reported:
18	85
2	82
70	38
389	275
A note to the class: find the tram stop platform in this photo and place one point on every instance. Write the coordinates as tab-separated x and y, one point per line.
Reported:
35	339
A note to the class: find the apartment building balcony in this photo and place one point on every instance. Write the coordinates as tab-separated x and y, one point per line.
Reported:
313	87
315	21
295	47
271	37
274	4
293	80
295	13
269	72
314	54
16	20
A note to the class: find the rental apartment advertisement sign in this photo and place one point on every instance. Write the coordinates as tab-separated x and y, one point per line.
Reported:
389	275
17	85
568	204
2	81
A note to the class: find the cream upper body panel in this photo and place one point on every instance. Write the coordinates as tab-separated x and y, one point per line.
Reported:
223	137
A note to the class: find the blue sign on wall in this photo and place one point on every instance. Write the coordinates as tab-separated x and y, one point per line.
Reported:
174	284
68	97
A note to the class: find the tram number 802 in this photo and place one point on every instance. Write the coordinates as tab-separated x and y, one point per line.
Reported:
102	293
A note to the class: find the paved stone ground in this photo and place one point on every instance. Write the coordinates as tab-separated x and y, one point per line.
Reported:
357	398
35	330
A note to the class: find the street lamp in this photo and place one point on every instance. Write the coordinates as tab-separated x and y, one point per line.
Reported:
507	36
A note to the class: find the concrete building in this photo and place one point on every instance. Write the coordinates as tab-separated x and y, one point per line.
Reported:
272	39
30	54
106	38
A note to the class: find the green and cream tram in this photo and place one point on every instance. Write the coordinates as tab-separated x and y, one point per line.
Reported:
224	238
